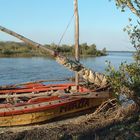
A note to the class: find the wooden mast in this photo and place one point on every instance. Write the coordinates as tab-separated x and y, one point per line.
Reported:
77	58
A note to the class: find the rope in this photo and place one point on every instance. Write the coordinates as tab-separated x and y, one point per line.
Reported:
64	32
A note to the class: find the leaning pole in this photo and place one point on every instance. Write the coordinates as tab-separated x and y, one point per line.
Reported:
93	77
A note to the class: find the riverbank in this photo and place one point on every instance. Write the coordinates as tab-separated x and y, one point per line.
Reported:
16	49
116	123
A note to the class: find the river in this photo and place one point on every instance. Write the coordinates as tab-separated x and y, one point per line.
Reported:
18	70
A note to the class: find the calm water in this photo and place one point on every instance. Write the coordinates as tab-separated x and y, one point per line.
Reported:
16	70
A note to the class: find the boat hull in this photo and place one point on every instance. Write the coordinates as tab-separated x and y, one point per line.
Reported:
49	114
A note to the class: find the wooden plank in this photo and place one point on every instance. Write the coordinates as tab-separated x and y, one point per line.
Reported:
47	94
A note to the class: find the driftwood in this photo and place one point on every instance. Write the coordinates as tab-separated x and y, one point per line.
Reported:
104	106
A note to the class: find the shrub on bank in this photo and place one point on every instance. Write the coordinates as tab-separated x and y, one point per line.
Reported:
125	80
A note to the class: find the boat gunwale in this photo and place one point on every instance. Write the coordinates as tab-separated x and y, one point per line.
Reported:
40	108
39	89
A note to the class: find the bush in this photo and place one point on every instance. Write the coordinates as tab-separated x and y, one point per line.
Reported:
125	80
7	52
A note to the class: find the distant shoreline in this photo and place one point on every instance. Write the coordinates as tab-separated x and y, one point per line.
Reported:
122	51
16	49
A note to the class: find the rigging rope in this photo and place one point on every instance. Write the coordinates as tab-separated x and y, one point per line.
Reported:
65	31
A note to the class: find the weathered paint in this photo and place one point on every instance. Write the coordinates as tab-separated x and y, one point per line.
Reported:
41	116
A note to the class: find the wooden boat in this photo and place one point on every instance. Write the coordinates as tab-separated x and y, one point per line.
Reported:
37	102
34	103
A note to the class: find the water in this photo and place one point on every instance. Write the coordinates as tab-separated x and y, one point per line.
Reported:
17	70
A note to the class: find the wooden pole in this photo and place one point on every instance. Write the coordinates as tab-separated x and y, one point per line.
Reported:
77	58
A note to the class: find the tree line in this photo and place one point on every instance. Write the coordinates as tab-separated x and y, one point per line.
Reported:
17	49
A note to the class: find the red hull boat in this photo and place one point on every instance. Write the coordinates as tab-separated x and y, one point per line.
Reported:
37	102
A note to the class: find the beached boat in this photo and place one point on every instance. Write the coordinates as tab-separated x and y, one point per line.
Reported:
36	102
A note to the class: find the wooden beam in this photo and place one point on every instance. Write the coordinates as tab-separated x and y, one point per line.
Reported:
77	58
102	94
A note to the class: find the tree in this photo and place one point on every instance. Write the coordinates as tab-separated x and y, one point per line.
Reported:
133	5
132	30
126	80
104	51
134	35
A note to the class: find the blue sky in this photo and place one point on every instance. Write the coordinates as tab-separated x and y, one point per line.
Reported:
44	21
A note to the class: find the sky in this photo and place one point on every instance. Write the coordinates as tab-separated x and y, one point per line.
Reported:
44	21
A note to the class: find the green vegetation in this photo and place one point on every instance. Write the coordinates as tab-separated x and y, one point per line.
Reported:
126	80
14	49
134	35
133	29
132	5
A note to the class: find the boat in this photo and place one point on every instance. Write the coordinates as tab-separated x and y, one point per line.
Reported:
37	102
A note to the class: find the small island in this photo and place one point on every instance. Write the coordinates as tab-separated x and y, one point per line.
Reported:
18	49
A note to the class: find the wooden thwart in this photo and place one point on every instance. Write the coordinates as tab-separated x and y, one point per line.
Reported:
48	94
